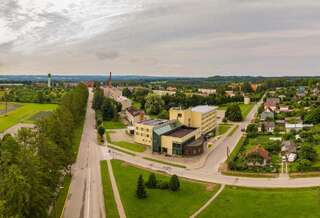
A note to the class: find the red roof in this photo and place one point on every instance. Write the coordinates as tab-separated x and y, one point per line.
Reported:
258	149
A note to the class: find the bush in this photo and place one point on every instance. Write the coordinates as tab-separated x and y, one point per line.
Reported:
174	183
162	185
101	131
152	181
303	165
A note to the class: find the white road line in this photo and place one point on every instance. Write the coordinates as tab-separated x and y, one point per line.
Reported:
88	192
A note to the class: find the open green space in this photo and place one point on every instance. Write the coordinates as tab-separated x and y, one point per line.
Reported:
245	108
113	125
265	203
130	146
23	114
159	203
223	128
109	201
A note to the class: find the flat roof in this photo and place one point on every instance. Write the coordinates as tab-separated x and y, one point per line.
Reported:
203	108
180	132
153	122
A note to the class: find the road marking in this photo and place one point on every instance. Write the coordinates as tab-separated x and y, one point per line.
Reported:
88	192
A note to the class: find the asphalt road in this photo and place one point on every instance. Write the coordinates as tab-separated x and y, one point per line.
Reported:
85	198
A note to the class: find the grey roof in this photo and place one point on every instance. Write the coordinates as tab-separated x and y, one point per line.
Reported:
288	147
203	108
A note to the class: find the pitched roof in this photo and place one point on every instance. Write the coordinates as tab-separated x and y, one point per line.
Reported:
259	150
134	112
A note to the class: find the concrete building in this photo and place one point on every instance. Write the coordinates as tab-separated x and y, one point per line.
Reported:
169	137
164	92
207	91
246	100
202	117
144	130
134	116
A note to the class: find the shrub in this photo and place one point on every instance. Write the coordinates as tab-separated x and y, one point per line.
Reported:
152	181
141	191
174	183
303	165
101	131
162	185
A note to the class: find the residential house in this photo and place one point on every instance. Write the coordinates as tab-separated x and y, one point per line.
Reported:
257	156
297	126
284	109
268	126
271	104
289	150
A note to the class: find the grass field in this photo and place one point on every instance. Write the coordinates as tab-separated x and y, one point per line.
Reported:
159	203
130	146
23	114
245	108
113	125
265	203
223	128
109	202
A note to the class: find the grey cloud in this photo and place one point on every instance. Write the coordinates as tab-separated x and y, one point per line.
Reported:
103	55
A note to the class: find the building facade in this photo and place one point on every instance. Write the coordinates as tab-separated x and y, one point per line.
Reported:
203	117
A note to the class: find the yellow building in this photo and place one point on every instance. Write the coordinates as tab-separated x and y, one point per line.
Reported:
202	117
143	131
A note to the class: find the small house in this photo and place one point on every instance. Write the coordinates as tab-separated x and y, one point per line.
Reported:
268	126
257	156
288	147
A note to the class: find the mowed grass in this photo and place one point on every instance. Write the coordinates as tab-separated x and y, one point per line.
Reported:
59	204
245	108
265	203
113	125
23	114
130	146
109	201
159	203
223	128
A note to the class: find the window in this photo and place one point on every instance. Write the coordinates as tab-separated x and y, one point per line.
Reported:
179	115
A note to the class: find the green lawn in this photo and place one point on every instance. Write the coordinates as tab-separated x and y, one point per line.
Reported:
159	203
245	108
235	202
113	125
109	202
130	146
136	105
223	128
23	114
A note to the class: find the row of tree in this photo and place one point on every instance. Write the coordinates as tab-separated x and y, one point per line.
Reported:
33	164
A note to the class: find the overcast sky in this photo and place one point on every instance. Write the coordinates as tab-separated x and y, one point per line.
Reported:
160	37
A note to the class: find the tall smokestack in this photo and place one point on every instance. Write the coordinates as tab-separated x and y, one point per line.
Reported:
110	79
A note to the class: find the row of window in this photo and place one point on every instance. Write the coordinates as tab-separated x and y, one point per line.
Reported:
142	134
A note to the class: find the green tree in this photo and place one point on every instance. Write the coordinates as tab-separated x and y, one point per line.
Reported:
141	191
126	92
174	183
233	113
154	104
313	116
101	131
152	181
307	152
252	130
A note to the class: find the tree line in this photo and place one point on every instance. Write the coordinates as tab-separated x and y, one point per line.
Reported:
33	163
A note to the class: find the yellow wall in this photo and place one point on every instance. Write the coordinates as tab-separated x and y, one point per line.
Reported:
143	134
205	121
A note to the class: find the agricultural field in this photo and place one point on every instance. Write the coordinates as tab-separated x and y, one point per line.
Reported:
24	113
162	203
264	203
